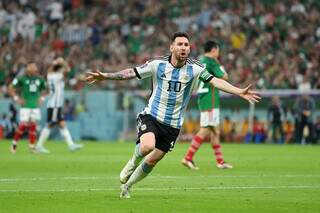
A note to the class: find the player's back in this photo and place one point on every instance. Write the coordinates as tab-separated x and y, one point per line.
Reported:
56	89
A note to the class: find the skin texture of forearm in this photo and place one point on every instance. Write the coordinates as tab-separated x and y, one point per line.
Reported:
121	75
225	86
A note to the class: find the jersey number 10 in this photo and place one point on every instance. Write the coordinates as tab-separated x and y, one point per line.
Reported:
174	86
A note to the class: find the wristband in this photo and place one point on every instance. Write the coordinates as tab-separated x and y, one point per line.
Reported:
15	98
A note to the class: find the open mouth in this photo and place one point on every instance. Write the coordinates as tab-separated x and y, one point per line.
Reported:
183	54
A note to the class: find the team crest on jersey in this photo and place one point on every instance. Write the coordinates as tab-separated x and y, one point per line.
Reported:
143	127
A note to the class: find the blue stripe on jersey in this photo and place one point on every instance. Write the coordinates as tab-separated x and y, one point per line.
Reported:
186	95
157	98
172	97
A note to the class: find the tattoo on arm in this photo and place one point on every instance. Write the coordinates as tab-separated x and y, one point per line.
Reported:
121	75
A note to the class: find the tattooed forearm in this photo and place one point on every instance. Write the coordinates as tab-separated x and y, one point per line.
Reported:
121	75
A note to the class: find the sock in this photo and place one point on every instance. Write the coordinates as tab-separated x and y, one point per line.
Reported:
66	135
14	144
141	172
18	134
43	136
193	148
218	153
137	156
32	134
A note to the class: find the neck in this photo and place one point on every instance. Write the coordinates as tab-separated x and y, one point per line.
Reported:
177	63
210	56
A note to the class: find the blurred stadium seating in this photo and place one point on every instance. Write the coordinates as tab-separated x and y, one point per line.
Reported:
262	41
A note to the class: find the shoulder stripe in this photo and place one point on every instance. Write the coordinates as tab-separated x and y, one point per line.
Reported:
162	58
194	61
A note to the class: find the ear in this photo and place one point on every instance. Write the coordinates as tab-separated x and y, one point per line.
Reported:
171	48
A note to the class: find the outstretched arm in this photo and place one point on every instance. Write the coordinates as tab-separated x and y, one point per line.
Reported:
245	93
93	76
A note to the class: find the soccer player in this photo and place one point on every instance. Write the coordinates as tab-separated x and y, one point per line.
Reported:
174	77
208	102
55	80
31	88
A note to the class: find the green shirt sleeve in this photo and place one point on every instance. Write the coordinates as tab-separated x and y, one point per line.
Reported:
205	76
217	71
16	82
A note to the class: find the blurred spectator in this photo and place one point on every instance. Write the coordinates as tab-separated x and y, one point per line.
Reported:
5	126
264	41
68	110
275	118
258	133
227	133
288	130
304	109
243	133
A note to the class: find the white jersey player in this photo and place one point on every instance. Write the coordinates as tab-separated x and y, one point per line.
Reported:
159	124
55	80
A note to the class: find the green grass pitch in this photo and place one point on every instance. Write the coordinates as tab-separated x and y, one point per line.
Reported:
266	178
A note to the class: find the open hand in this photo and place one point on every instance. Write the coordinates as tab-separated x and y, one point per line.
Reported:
250	95
93	76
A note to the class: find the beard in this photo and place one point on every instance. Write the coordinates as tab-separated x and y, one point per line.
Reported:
181	57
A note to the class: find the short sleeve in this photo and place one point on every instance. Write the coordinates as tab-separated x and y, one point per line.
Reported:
145	70
218	71
16	82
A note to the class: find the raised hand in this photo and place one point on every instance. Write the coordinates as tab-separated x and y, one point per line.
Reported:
250	95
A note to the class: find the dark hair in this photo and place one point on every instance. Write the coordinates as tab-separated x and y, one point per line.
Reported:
179	34
57	67
209	45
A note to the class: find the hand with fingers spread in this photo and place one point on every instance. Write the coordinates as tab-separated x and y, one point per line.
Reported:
250	95
93	76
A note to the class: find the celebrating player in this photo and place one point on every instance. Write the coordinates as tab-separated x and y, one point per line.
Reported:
31	88
208	102
55	79
174	78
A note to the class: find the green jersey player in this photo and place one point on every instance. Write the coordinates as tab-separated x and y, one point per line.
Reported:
30	87
208	102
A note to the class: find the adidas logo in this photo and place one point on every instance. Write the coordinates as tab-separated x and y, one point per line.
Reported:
163	76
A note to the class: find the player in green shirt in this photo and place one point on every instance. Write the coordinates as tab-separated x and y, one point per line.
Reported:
31	88
208	102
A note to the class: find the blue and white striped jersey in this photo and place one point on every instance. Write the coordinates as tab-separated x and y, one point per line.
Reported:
56	89
172	88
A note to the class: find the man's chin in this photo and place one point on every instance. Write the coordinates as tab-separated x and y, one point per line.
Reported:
183	57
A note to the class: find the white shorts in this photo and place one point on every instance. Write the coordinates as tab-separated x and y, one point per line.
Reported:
210	118
27	114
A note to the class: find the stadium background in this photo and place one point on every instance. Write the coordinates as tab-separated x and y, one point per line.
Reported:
262	41
273	43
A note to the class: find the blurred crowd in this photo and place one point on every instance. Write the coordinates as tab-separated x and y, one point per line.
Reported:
282	124
275	43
